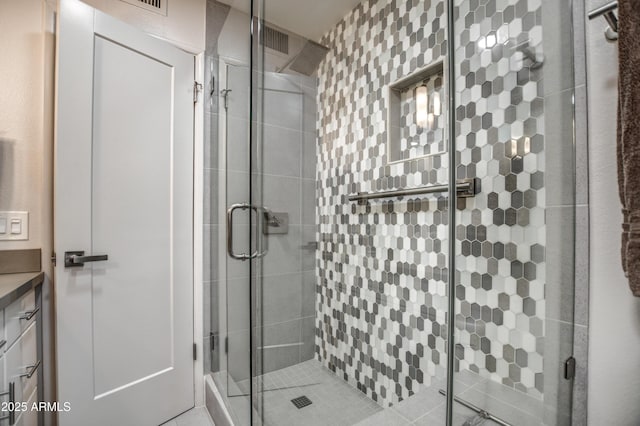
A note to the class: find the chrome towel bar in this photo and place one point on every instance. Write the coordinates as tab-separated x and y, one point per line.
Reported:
609	7
465	188
607	11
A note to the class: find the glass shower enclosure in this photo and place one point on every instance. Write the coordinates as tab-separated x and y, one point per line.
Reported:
390	211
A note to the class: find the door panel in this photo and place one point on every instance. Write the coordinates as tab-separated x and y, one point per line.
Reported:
141	265
124	188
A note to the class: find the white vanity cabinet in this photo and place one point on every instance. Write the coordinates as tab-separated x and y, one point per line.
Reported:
20	363
29	417
18	316
21	366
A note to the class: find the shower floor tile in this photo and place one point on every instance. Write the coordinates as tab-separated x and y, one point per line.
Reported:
333	402
428	407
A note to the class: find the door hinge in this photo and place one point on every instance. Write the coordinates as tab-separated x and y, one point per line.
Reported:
54	258
195	352
226	345
570	368
225	95
212	339
197	88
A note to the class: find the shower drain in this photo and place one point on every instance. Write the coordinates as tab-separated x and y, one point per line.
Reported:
301	402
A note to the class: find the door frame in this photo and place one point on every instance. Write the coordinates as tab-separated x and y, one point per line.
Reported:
198	235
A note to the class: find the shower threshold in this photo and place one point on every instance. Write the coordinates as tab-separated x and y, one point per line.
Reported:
275	389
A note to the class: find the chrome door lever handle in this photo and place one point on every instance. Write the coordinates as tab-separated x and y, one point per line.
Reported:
83	259
77	258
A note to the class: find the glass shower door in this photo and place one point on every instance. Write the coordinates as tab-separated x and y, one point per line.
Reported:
233	214
283	164
260	115
239	216
339	311
514	248
351	297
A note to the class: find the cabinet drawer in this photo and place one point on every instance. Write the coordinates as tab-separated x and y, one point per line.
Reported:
4	344
4	393
18	316
4	384
29	418
22	364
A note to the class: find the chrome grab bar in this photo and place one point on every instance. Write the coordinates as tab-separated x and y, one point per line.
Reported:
260	213
609	7
465	188
607	12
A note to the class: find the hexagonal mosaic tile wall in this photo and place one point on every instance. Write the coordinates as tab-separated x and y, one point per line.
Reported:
382	268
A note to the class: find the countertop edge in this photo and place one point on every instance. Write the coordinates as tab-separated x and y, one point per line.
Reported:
23	284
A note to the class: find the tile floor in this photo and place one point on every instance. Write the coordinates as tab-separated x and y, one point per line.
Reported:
335	403
428	407
195	417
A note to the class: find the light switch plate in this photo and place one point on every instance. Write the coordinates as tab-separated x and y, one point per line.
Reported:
8	218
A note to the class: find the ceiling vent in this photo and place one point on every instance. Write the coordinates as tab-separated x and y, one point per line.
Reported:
276	40
157	6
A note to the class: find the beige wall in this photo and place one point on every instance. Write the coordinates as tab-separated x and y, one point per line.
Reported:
614	320
26	138
25	118
184	25
26	94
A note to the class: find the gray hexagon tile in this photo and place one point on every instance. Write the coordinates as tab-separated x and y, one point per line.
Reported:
382	269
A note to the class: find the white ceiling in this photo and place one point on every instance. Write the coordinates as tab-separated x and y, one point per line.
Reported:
308	18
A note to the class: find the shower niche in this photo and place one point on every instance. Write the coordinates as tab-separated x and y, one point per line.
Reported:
416	116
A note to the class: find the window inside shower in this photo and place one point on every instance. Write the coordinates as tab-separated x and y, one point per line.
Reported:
407	307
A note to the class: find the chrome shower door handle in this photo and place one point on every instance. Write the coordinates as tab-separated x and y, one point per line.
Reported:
230	211
234	207
77	258
262	216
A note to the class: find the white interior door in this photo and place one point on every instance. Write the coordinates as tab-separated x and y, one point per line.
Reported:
124	188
